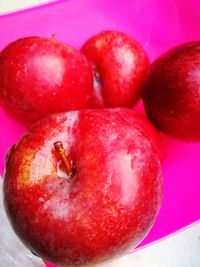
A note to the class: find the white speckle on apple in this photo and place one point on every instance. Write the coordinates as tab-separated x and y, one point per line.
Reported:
112	137
126	59
194	76
42	163
57	208
128	158
53	67
125	169
72	119
41	199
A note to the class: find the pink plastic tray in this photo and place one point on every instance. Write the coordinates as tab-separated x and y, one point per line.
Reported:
158	25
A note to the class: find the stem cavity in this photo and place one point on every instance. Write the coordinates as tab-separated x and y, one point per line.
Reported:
61	151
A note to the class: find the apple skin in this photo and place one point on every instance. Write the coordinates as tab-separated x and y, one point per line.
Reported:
171	92
101	211
40	76
119	66
150	132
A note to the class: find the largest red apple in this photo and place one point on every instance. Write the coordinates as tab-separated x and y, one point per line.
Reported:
39	76
104	207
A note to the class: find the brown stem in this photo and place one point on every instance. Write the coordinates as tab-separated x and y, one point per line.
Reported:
60	149
53	36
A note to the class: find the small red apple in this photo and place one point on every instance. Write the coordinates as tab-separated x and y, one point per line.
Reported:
172	92
119	65
84	186
39	76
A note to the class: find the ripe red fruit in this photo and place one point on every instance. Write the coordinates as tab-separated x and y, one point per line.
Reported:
84	186
39	76
119	65
172	92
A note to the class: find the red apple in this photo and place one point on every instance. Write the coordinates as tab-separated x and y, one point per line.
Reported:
39	76
84	186
119	65
151	133
172	92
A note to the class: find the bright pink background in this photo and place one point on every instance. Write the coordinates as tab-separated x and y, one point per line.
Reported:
158	25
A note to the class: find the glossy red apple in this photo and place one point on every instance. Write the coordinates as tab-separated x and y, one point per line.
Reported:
39	76
172	92
84	186
119	66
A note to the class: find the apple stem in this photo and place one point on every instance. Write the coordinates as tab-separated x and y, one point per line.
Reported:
53	36
61	151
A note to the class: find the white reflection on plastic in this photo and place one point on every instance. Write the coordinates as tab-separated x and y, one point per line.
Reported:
181	249
16	5
12	251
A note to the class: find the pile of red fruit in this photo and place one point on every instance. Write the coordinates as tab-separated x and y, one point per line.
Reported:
84	184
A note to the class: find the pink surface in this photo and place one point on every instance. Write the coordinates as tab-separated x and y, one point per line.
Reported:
158	25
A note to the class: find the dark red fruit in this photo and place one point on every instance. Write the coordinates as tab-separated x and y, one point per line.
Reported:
172	92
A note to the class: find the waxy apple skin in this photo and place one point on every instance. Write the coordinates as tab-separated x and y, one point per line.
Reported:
101	211
171	92
119	66
40	76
